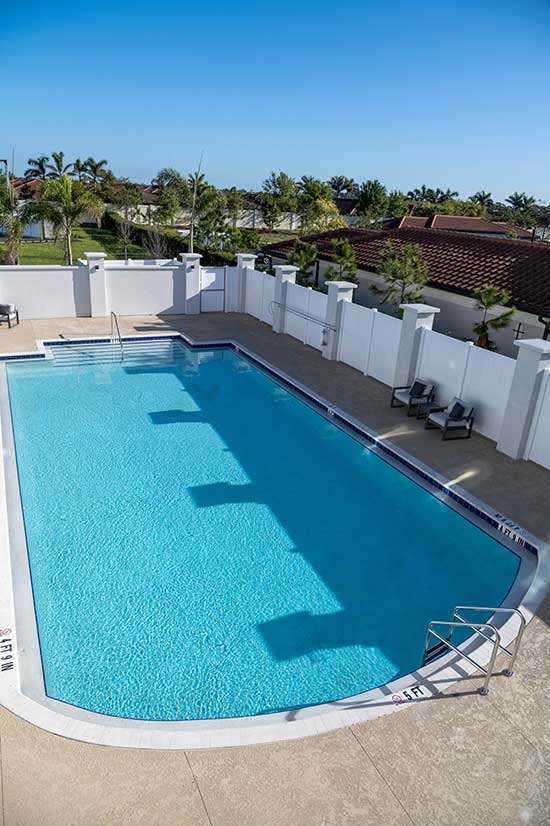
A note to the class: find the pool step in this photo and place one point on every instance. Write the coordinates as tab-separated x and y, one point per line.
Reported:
134	352
435	651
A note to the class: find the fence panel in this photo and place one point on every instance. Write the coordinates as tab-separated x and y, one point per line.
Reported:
46	291
317	308
268	295
296	299
487	386
145	290
442	360
385	344
254	285
232	289
539	441
355	336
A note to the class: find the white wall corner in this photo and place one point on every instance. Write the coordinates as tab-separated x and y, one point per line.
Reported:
99	302
533	358
416	318
191	273
339	292
245	261
285	274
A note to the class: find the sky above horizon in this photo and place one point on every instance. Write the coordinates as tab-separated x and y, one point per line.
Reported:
448	95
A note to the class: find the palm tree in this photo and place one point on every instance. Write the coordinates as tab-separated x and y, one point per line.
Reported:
95	170
341	185
482	198
446	195
58	168
197	184
79	169
65	203
38	167
420	195
520	201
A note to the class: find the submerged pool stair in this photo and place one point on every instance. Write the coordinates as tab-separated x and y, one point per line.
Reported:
118	350
483	629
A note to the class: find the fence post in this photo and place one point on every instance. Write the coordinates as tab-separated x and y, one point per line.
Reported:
244	261
98	285
191	266
284	274
533	358
416	317
338	293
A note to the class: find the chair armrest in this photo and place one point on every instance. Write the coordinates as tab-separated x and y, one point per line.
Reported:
402	387
436	408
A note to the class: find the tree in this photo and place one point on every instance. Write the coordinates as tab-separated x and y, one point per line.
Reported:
95	171
280	195
405	274
126	196
373	200
58	168
271	211
487	298
197	183
303	256
341	185
398	204
519	201
344	258
168	206
453	207
315	207
482	198
169	178
13	217
65	203
234	202
38	167
79	169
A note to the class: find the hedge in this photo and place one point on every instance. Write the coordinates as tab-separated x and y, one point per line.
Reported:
175	243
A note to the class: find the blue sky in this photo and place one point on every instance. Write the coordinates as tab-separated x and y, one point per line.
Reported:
450	94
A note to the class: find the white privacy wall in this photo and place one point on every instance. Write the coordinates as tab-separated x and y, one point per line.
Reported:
475	375
46	291
356	336
260	292
385	344
213	289
139	290
538	447
305	314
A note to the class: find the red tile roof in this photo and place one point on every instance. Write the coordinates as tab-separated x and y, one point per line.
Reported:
457	223
458	262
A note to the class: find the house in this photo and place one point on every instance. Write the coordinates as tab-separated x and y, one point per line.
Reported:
459	263
459	223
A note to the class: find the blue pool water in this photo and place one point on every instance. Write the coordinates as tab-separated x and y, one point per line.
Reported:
203	545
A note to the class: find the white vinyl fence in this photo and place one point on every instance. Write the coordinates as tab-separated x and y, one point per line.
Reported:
369	341
538	446
260	291
477	376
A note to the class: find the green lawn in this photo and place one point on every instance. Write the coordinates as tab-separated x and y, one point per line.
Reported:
85	239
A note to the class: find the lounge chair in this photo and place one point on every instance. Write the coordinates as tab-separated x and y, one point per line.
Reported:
9	313
418	393
457	416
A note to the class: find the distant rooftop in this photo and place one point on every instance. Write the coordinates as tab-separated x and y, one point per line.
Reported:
458	223
459	262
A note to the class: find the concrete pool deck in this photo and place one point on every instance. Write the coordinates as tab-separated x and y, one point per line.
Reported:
456	759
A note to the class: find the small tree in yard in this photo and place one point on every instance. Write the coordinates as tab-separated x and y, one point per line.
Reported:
303	256
66	203
127	197
344	259
405	274
234	201
168	206
487	298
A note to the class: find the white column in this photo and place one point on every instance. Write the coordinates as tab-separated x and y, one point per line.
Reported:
338	293
192	277
415	318
284	274
244	261
98	285
533	358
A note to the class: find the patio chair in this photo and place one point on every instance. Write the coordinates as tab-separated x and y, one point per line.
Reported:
9	313
411	396
457	416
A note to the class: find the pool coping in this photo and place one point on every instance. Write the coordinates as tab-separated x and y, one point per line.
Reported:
21	680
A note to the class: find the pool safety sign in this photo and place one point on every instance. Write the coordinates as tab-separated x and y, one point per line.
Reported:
416	692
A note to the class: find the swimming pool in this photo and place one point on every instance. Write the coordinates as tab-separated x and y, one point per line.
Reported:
202	544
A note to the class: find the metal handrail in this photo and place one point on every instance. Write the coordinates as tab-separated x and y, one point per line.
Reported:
474	626
114	323
523	622
301	314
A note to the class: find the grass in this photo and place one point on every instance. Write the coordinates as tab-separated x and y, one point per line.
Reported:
267	237
85	239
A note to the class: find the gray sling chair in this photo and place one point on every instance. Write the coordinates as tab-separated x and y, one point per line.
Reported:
411	396
9	313
456	417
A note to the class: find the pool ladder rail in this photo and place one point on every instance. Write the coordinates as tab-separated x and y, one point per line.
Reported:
115	334
484	629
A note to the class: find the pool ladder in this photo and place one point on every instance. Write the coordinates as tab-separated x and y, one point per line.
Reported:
115	329
482	629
